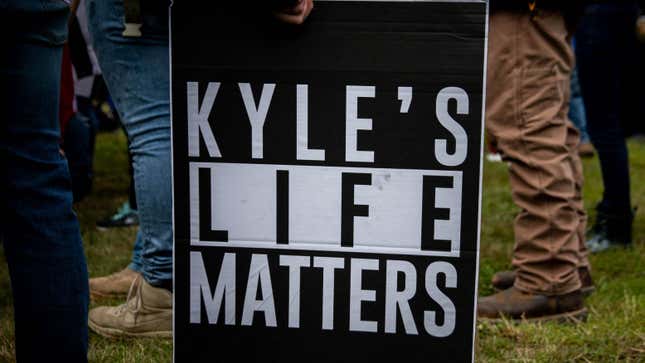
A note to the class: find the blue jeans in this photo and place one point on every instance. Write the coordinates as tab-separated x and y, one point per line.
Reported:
38	228
136	71
577	112
136	262
606	50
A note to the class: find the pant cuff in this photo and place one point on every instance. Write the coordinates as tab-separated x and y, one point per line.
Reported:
551	290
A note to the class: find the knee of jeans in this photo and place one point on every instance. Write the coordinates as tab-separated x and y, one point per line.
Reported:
149	140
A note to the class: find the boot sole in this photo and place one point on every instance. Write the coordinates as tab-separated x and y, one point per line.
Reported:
575	316
118	333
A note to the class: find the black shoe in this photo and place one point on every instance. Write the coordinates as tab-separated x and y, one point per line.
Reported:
124	217
611	230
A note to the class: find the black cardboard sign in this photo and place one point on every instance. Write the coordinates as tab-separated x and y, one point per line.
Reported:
327	181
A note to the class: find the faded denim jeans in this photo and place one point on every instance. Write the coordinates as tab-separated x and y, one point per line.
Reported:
39	230
136	71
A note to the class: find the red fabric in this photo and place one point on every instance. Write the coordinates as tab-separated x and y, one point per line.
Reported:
66	110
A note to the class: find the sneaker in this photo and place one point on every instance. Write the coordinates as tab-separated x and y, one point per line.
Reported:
116	285
505	279
147	312
610	230
598	243
124	217
515	304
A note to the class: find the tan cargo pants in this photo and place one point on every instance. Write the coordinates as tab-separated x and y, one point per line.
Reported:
530	60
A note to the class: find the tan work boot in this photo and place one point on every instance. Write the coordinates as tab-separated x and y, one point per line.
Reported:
116	285
146	313
513	303
505	279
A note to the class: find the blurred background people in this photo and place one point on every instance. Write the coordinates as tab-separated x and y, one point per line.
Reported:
608	62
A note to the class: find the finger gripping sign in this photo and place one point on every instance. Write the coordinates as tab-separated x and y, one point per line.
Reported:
327	181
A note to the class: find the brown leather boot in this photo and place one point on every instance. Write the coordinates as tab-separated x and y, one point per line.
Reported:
513	303
115	285
502	280
505	279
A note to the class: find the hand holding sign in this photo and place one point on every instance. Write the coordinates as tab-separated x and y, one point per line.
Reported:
297	13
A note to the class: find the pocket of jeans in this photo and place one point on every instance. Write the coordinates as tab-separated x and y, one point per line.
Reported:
542	97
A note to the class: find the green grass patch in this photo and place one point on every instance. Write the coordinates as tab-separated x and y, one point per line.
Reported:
614	331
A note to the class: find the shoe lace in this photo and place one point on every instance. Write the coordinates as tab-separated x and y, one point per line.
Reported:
133	302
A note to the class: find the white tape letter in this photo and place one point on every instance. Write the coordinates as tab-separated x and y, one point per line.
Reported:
259	275
295	263
357	295
449	312
353	123
257	115
394	297
224	290
461	139
198	118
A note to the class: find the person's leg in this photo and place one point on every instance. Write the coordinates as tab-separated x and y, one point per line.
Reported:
505	279
534	141
577	203
132	195
136	263
40	231
603	48
530	61
136	72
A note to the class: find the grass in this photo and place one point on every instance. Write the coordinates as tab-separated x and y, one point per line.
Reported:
614	332
615	329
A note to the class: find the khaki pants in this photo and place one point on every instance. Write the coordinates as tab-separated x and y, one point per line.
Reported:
529	66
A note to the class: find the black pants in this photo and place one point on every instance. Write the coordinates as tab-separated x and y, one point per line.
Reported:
607	52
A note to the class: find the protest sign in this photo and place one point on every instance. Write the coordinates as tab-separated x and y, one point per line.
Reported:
327	181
